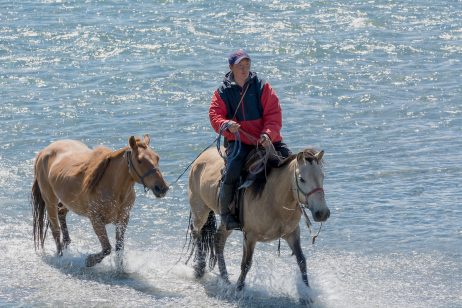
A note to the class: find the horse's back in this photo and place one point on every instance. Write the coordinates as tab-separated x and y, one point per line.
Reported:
66	147
204	178
60	166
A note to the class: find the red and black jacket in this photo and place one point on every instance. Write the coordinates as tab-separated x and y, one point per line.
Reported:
258	113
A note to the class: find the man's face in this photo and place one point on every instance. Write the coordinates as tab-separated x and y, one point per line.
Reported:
241	70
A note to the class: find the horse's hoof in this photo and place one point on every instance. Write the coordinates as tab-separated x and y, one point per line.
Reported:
240	286
225	279
91	261
199	269
198	273
307	302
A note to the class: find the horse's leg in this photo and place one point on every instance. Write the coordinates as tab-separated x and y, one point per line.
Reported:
121	226
220	241
293	240
199	258
120	235
200	216
100	229
62	212
204	241
249	246
52	211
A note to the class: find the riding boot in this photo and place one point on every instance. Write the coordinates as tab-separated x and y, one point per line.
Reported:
226	197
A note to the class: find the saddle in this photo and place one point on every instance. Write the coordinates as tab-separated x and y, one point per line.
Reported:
253	175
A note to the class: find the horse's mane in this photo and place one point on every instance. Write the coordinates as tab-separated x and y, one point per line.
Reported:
310	155
259	184
97	165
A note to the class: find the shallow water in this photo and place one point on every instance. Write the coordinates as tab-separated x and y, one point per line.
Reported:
375	84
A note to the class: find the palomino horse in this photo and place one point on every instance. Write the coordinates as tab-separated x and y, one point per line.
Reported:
268	215
98	184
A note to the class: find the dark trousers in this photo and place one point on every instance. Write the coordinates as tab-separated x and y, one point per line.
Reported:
234	167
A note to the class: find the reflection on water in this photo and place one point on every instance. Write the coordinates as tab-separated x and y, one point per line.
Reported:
376	85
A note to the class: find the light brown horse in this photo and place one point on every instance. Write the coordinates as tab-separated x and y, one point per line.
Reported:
98	184
270	214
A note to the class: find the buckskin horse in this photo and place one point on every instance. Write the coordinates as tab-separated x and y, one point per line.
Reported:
98	184
273	212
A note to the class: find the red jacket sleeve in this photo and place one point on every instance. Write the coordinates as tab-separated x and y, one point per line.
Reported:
272	114
217	115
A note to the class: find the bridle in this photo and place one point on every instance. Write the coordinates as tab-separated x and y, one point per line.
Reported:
305	194
306	204
152	171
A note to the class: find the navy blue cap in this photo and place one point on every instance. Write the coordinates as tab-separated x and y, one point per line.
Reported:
236	56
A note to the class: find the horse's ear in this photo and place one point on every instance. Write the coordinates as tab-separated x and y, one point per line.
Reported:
147	139
132	143
301	157
319	155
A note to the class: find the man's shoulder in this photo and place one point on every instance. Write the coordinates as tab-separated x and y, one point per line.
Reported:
224	87
256	79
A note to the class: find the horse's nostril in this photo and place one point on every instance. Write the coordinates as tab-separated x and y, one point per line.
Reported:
317	215
321	215
160	190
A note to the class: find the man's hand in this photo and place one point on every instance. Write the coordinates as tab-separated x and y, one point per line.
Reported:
233	127
264	140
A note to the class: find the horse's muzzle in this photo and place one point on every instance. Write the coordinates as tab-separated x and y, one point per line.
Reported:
160	191
321	215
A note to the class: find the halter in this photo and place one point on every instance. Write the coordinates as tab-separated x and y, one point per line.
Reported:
306	195
307	205
141	177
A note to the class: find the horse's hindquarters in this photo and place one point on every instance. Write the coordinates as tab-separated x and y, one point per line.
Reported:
204	180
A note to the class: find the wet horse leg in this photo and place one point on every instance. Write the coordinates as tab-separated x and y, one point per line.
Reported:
249	247
62	213
53	220
100	229
120	236
204	241
202	228
199	258
293	240
220	241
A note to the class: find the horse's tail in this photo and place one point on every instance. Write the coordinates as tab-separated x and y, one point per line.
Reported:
39	216
204	242
207	239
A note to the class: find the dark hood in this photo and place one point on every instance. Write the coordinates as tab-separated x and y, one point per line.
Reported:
229	78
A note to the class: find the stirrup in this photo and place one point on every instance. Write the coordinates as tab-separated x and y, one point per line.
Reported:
230	222
247	183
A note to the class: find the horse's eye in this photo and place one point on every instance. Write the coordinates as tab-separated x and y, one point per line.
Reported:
301	179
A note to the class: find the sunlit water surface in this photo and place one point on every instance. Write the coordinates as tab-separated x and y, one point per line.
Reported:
376	84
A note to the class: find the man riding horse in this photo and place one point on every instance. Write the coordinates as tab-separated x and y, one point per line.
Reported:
246	104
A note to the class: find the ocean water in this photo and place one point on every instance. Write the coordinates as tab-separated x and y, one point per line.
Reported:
376	84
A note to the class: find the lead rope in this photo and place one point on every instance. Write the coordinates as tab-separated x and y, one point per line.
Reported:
309	224
217	140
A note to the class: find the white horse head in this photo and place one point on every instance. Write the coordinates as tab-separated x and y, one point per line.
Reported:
308	184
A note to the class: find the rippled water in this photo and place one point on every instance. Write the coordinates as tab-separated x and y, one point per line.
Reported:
376	84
